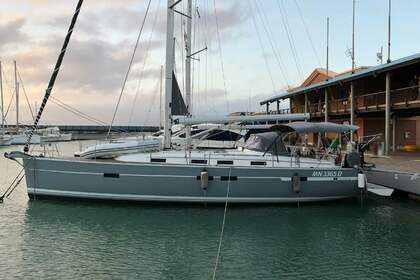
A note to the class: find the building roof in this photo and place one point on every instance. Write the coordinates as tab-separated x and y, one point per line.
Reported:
317	73
362	73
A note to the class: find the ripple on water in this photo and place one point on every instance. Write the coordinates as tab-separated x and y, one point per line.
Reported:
47	239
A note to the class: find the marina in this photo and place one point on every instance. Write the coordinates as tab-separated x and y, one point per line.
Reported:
167	149
100	240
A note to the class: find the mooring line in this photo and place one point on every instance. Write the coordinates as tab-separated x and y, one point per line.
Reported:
223	228
12	186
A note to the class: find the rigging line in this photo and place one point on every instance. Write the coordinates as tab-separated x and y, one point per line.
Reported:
206	54
209	61
262	47
129	68
221	56
26	96
76	111
11	95
8	107
223	227
293	41
270	36
307	32
290	39
81	114
144	63
54	75
155	91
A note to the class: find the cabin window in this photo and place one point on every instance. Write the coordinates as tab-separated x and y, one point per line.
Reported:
223	135
258	163
193	132
158	160
200	161
225	162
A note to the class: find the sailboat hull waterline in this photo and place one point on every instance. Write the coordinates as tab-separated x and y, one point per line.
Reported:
110	180
5	140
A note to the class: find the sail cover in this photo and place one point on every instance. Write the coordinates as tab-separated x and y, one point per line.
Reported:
178	107
311	127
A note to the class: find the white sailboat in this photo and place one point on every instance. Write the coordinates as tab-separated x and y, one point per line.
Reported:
20	137
53	134
258	173
5	140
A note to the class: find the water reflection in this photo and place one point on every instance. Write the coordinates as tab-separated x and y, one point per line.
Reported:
324	240
50	239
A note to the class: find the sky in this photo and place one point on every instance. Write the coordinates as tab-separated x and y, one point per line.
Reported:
255	49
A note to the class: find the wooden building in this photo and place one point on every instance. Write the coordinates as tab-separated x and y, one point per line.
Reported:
383	99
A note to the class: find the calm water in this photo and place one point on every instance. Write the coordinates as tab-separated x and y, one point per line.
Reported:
66	240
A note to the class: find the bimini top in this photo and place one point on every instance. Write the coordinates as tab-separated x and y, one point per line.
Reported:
270	142
310	127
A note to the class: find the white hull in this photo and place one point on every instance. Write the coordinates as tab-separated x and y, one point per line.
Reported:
5	140
119	148
21	139
56	138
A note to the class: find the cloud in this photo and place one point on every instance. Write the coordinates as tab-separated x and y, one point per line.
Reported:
11	32
98	55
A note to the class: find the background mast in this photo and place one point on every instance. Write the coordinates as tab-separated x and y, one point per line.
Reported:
188	74
169	73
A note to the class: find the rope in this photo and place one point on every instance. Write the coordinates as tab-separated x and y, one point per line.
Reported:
262	45
12	95
307	32
223	228
128	70
221	55
270	35
79	113
144	63
289	38
26	96
55	74
12	186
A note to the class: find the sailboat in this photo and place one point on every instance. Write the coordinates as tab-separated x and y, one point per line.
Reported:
53	134
5	140
261	172
20	137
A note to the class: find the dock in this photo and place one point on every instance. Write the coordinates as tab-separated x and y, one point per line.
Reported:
400	172
93	132
90	132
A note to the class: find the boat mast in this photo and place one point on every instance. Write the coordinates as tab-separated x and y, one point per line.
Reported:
2	103
160	97
389	32
169	68
352	39
17	98
188	74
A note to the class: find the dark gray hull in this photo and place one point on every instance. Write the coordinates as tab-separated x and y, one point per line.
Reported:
403	181
88	179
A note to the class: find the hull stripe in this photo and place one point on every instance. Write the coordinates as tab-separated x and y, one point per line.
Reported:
110	196
285	179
